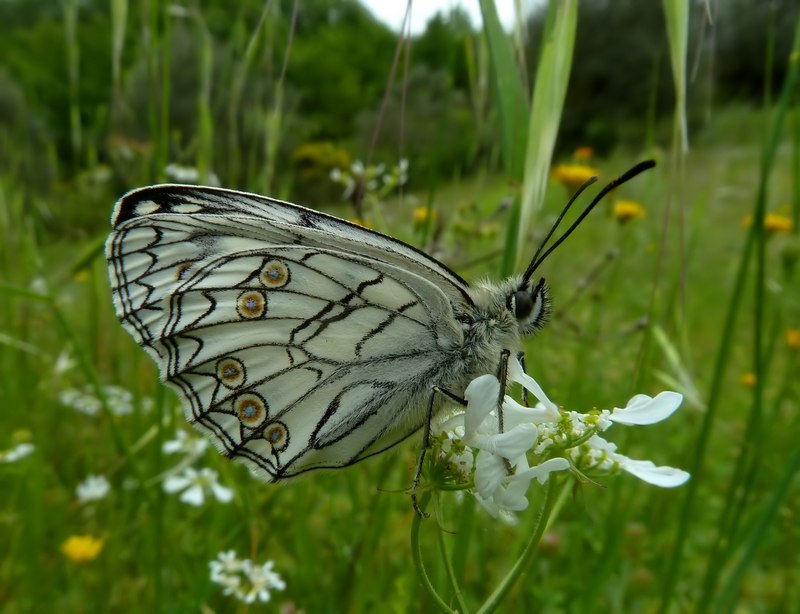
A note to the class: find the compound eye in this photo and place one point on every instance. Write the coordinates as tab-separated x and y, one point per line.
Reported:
521	304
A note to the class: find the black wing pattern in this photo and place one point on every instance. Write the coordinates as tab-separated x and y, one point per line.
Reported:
295	339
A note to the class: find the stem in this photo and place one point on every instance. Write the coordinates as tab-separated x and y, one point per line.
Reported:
448	564
416	553
551	495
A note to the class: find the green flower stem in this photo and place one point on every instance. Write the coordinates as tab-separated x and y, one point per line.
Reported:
448	563
551	497
416	553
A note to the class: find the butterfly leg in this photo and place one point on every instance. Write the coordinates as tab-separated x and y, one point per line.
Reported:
426	440
521	359
502	376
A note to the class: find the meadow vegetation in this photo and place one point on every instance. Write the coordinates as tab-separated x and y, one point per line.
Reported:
669	284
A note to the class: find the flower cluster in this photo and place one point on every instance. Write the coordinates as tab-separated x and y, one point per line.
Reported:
93	488
537	441
244	579
373	179
193	484
120	401
189	174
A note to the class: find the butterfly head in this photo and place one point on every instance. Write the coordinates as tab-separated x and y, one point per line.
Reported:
530	306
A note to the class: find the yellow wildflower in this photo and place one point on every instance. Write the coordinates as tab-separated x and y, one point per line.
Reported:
82	275
573	176
773	223
793	338
748	379
361	222
422	215
626	210
82	548
581	154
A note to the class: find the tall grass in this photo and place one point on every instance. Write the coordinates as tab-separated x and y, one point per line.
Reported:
340	539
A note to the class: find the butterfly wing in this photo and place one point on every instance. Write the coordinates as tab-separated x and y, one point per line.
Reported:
296	340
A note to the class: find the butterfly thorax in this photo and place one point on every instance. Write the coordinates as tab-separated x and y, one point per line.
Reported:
489	326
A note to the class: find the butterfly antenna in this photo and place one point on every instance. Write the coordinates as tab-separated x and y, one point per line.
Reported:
555	225
624	178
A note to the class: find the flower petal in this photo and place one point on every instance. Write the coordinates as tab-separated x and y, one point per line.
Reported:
542	471
510	444
512	497
174	483
643	409
481	395
193	495
517	374
222	493
490	471
666	477
515	413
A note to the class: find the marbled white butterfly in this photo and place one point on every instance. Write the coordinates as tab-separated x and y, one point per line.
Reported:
298	340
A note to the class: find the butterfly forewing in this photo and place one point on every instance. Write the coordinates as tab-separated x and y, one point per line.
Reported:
295	339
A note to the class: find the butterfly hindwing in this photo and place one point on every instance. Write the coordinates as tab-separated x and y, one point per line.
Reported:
294	339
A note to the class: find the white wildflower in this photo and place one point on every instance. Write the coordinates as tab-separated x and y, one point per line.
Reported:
184	443
120	401
537	441
190	174
64	362
20	451
244	579
93	488
195	484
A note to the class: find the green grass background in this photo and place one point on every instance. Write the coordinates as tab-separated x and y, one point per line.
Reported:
340	539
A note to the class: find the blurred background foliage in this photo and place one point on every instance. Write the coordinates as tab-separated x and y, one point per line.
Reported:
66	118
98	97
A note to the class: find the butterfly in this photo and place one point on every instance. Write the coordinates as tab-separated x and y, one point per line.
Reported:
297	340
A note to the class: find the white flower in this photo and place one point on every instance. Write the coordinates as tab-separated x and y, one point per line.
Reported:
602	455
64	362
189	174
555	439
93	488
80	401
227	564
262	579
243	579
120	401
643	409
184	443
21	450
195	484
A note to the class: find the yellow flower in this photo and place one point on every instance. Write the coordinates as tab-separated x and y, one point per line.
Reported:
423	214
573	176
625	210
748	379
360	222
793	338
82	548
583	153
773	223
82	275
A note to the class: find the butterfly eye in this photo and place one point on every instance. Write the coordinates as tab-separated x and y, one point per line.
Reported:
530	308
521	304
